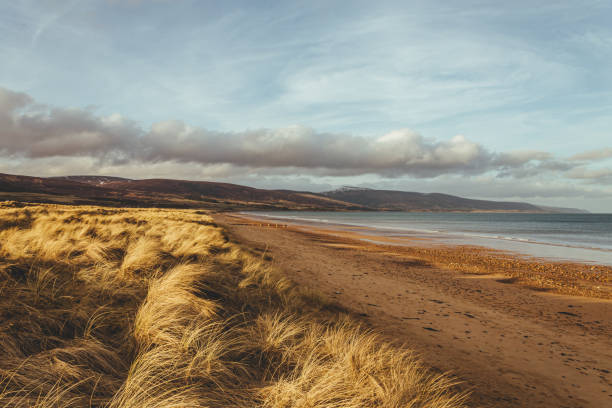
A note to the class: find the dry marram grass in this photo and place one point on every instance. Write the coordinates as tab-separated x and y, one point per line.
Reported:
156	308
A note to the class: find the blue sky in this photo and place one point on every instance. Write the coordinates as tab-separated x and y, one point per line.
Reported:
493	100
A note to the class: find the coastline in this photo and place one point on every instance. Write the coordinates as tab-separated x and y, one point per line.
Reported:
453	232
518	332
540	273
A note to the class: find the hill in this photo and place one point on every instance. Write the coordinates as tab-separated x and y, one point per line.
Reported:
169	193
391	200
115	191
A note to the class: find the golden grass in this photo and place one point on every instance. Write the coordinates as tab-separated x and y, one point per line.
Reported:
156	308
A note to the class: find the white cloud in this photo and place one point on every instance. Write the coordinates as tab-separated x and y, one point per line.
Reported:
599	174
30	130
593	155
36	131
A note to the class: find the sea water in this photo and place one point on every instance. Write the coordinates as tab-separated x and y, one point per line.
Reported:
573	237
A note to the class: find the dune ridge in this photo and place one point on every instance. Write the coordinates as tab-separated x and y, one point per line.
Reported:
157	308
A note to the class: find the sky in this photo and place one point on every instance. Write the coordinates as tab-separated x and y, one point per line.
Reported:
483	99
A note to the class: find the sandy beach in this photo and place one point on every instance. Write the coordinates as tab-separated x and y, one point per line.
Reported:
518	333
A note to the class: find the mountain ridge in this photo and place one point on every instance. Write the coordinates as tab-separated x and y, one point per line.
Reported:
159	192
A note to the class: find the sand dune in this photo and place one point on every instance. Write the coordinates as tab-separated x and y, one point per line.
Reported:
157	308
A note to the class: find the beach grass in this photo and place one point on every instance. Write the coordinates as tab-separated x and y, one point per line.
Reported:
158	308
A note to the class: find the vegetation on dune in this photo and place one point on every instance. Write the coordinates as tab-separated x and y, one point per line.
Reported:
156	308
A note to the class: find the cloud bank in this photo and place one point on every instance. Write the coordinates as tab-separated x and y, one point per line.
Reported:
31	130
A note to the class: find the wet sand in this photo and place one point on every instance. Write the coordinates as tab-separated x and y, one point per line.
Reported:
513	337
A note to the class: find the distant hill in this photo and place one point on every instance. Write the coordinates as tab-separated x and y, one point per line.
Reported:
563	210
117	191
391	200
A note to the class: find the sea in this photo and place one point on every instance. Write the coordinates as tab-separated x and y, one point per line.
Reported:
559	237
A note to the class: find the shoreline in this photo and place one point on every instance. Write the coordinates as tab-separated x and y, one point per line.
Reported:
513	339
540	273
546	251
